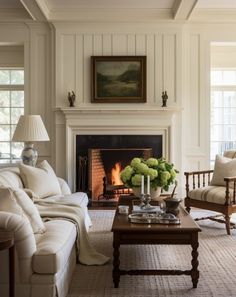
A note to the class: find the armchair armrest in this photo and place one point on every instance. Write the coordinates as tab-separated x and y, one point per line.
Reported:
228	180
199	179
199	172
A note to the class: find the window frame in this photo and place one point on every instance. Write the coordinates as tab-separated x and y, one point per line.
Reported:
12	87
220	88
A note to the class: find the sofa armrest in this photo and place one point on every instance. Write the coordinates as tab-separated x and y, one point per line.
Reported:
65	190
24	241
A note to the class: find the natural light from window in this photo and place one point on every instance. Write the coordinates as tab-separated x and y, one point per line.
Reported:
223	111
11	108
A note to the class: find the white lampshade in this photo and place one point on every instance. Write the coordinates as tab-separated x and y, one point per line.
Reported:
30	128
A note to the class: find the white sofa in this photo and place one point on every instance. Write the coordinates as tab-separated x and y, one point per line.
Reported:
44	263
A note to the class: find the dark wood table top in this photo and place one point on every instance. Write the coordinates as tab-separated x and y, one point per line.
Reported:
6	239
121	222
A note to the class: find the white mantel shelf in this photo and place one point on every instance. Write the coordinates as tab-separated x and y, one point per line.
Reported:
85	110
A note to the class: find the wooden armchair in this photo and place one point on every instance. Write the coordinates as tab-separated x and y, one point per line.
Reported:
201	194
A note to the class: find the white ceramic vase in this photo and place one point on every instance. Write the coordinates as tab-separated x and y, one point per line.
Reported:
154	193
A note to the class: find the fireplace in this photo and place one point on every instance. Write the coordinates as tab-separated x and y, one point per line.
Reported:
100	158
80	127
105	166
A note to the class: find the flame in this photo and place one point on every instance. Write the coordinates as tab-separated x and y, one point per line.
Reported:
115	174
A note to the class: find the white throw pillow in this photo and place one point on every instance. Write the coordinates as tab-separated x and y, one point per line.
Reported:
30	210
224	167
42	180
8	202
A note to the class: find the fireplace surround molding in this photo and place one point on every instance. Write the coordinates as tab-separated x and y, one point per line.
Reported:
159	121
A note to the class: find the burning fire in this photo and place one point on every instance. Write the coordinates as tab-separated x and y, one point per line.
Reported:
115	174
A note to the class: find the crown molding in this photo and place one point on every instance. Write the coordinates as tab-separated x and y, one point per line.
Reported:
214	15
13	14
110	15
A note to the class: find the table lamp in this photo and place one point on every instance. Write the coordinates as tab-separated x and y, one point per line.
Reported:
30	129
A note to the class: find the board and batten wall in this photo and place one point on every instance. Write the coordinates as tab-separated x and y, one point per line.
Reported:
76	43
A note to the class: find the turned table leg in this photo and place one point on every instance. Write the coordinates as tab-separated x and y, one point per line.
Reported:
194	270
116	262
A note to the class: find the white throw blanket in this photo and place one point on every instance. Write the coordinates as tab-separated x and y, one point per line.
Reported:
73	212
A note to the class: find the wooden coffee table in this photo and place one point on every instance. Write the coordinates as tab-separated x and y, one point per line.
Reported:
125	232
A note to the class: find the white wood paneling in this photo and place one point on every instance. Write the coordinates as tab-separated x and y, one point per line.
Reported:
73	61
194	116
68	59
79	70
169	64
97	45
88	52
158	68
131	45
119	44
150	68
40	83
106	44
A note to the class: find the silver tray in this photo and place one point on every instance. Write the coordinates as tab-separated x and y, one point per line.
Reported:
151	218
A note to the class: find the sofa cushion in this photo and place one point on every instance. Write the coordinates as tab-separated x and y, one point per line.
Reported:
54	246
30	210
10	177
211	194
224	167
42	180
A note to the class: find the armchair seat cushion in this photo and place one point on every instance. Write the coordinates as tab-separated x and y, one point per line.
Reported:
211	194
54	247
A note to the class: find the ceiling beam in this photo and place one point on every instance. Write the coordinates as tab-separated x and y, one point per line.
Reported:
34	10
182	9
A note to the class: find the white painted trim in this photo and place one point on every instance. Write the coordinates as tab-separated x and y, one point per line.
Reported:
118	122
108	14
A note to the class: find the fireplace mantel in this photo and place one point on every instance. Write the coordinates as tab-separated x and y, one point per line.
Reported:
70	111
106	121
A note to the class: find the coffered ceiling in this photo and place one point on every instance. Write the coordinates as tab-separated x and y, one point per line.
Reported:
122	10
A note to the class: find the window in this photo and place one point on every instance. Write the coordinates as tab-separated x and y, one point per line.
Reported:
11	108
223	111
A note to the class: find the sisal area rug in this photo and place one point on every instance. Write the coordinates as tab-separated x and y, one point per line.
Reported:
217	265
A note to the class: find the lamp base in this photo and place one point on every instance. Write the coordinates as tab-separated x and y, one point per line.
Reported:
29	154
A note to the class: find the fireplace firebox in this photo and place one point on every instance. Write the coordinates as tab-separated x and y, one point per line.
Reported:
100	158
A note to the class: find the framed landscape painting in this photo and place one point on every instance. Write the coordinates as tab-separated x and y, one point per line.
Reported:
118	79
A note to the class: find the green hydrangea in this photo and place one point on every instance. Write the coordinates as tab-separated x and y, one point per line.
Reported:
135	161
137	179
153	173
151	162
162	173
141	168
126	174
173	173
165	175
